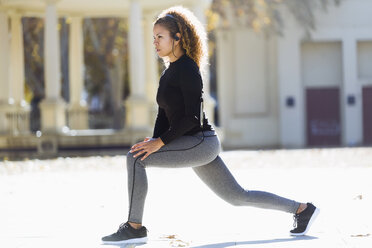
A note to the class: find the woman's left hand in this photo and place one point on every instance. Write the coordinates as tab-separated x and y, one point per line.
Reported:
146	147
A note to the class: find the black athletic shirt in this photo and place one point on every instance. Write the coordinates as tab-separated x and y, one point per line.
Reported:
178	97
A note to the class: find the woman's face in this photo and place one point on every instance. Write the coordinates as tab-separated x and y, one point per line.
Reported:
162	41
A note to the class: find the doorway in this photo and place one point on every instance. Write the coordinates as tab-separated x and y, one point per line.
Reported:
323	125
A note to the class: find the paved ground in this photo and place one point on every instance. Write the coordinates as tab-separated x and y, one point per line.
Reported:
73	202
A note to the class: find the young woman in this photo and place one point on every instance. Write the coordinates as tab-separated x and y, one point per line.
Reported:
182	135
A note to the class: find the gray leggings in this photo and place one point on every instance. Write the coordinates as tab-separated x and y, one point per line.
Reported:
200	153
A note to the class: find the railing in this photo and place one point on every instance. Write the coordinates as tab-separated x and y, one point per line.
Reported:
17	122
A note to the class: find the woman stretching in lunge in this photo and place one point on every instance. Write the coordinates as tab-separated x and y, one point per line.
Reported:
182	135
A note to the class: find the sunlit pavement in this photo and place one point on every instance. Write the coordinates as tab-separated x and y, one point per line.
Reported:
73	202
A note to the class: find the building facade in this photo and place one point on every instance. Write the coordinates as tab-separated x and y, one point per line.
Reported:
297	90
289	91
65	124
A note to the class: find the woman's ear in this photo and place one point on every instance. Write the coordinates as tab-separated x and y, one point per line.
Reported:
177	37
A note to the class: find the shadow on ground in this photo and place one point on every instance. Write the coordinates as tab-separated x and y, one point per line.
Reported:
125	245
230	244
254	242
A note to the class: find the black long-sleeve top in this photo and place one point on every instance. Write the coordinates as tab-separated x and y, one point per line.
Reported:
179	99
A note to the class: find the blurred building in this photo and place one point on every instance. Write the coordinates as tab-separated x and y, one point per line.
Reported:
65	125
298	90
293	90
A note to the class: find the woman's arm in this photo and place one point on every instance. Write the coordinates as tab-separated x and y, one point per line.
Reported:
151	145
161	123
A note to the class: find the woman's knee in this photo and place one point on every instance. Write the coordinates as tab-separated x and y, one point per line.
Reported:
130	158
234	201
132	161
130	155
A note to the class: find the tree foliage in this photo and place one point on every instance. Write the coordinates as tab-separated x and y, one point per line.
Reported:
33	37
105	46
266	15
105	43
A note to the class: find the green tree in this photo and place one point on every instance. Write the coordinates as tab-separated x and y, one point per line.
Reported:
105	63
266	15
105	47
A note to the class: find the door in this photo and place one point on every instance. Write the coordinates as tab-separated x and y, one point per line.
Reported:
323	117
367	115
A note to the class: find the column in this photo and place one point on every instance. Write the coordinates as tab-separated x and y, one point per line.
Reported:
291	116
152	75
20	115
4	58
52	107
137	109
17	59
199	8
352	116
4	72
77	110
224	68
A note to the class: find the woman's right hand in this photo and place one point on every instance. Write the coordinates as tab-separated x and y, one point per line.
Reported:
139	143
146	147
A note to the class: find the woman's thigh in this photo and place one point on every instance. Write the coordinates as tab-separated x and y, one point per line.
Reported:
186	151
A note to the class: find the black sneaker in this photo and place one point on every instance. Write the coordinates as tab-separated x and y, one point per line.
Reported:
126	234
303	220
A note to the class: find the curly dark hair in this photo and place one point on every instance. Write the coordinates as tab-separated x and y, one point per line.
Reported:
193	40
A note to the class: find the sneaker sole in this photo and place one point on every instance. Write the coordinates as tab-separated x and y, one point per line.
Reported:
129	241
313	217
